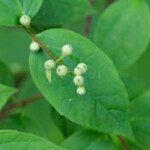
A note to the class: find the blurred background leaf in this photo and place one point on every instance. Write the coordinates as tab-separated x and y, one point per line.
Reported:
34	118
5	94
89	140
59	12
6	76
14	48
123	31
140	119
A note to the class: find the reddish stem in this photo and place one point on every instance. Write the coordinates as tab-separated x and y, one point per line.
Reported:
44	47
124	143
10	108
88	22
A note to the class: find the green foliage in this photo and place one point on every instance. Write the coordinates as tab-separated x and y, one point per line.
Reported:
114	113
99	106
17	140
18	41
133	85
58	12
17	8
148	1
88	140
140	69
117	31
5	75
5	94
30	119
140	119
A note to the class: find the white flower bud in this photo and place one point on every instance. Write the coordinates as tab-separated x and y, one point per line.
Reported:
34	47
83	67
78	80
49	64
66	50
77	71
62	70
25	20
81	90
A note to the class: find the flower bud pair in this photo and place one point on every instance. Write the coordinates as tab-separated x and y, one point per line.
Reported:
80	69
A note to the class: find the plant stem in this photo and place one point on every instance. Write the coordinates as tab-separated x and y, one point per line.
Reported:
10	108
44	47
88	22
124	143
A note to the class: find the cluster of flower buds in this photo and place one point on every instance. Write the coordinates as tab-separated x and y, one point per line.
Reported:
78	80
62	70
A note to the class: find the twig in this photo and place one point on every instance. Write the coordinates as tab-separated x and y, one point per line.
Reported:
88	22
124	143
44	47
7	110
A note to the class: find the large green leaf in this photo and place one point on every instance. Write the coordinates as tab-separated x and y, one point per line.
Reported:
140	119
123	31
60	12
5	93
88	140
13	140
105	106
11	10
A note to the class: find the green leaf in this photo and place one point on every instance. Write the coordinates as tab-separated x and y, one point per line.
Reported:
140	69
59	12
36	112
140	119
5	94
12	10
5	75
88	140
19	52
20	122
65	126
135	147
123	31
12	140
47	128
104	107
148	1
133	85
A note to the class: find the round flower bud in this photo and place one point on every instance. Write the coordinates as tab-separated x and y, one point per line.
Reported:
77	71
25	20
83	67
62	70
81	90
78	80
49	64
34	47
66	50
